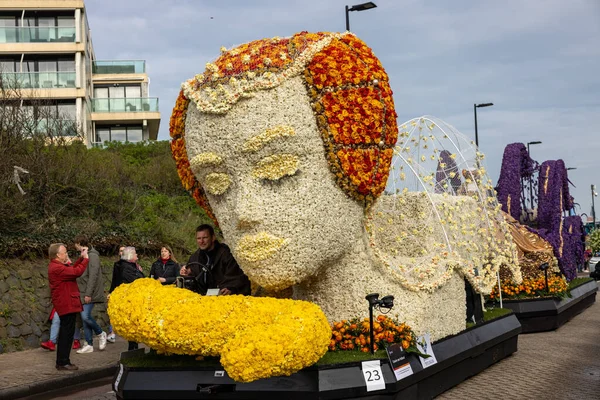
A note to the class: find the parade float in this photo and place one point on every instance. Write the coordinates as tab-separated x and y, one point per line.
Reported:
291	146
550	245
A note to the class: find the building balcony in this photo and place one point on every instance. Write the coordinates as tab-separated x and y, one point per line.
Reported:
53	127
38	80
125	105
36	34
119	67
113	111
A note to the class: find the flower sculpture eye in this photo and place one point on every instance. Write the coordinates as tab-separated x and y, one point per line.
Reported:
276	167
217	183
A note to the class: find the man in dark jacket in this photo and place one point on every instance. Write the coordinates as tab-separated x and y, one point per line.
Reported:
65	298
214	267
91	287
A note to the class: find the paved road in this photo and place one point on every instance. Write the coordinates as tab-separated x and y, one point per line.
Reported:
562	364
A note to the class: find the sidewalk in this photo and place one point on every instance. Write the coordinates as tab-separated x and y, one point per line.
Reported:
31	372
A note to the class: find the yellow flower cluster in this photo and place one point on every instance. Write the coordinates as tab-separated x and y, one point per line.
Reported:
203	160
276	167
217	183
258	141
255	337
259	247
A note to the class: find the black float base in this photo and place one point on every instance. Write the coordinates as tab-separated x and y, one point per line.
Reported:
459	357
539	315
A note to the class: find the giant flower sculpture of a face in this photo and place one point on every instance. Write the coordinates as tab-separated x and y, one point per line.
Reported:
285	142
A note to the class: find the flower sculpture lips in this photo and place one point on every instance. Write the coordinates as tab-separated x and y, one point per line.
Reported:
259	247
177	321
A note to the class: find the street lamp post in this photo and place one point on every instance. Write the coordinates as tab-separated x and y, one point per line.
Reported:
475	107
530	180
594	194
358	7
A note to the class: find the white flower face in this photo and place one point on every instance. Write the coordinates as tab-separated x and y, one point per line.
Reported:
269	184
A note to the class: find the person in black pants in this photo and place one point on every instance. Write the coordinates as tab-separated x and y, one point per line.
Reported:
126	270
64	291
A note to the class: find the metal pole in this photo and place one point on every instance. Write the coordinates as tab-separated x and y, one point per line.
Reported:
546	275
593	208
347	20
371	330
475	113
530	187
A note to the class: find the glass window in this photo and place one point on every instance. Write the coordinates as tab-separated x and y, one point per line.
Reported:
8	32
100	100
48	76
46	30
133	91
134	134
66	22
7	65
66	75
117	98
67	111
101	92
66	65
118	133
102	134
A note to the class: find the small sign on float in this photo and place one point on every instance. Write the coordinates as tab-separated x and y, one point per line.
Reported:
399	361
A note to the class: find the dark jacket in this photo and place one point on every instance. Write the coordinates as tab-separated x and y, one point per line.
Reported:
91	283
169	271
63	285
124	272
221	270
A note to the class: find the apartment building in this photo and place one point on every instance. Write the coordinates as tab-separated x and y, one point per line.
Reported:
46	51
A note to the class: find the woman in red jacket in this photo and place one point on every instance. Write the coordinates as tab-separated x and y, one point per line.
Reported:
65	298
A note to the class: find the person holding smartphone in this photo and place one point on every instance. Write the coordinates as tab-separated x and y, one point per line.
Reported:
64	291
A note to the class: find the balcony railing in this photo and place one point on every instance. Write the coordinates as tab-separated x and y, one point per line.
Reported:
36	34
54	126
119	67
38	80
139	104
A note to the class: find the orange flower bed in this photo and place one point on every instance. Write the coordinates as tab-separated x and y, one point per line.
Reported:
557	287
354	335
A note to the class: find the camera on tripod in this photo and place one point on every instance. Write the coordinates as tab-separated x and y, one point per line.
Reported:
198	282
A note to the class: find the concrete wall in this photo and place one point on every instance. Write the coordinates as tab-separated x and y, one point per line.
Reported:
25	303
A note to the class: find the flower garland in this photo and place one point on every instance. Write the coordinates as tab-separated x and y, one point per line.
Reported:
178	321
178	149
354	335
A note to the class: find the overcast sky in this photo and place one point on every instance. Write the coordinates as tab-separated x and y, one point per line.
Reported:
538	61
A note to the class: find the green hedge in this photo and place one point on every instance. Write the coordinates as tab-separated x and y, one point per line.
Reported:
126	193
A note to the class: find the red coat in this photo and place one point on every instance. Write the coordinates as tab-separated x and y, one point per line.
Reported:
63	285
